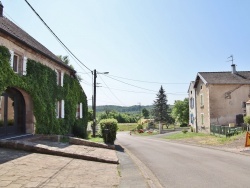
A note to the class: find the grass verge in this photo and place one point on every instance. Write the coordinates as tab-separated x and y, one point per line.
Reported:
204	139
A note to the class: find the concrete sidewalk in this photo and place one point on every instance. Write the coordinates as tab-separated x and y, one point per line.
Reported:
57	164
25	169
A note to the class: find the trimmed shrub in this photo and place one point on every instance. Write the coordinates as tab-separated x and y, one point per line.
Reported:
139	126
184	131
109	128
247	119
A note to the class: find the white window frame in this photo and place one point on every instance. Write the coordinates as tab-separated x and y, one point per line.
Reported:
11	58
62	75
60	110
25	65
80	111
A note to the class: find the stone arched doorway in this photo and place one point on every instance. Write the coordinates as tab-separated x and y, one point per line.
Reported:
12	113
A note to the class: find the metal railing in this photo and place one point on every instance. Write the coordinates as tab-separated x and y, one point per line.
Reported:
224	130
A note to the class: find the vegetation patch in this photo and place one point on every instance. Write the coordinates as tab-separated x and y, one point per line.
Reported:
203	139
127	126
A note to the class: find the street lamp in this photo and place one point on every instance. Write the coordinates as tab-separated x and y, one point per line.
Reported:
94	100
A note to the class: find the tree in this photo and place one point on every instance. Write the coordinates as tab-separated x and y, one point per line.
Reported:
160	106
145	113
90	115
64	59
180	111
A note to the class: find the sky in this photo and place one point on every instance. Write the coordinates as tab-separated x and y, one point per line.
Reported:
143	44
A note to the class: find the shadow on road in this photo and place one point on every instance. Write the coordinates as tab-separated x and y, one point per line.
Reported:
119	148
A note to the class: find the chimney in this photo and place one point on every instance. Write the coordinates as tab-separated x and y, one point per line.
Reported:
233	68
1	9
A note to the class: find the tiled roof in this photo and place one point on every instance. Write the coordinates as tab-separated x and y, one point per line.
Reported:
9	28
240	77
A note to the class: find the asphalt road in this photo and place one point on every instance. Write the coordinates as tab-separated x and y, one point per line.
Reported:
179	165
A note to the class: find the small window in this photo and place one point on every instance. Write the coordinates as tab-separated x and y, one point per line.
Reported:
60	109
59	78
202	119
191	102
191	118
201	87
201	100
191	92
18	63
79	111
15	63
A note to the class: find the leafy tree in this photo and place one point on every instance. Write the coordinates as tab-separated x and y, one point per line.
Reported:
160	106
64	59
90	115
180	111
145	113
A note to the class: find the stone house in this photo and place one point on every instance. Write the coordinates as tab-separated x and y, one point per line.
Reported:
16	104
220	96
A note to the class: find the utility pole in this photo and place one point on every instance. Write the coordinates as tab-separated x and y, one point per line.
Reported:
94	104
94	100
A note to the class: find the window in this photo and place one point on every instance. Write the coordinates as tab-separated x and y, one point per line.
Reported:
202	119
201	100
18	63
59	78
191	102
60	109
191	118
79	111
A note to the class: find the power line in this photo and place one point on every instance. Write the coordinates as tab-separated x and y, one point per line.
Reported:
151	82
130	84
111	91
56	36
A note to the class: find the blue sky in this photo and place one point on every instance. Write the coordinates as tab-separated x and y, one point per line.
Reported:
162	41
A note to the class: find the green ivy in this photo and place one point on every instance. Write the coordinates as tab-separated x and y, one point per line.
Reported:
40	84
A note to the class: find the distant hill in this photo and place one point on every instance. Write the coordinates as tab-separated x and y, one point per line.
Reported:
123	109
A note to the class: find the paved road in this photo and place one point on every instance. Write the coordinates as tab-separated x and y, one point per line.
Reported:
178	165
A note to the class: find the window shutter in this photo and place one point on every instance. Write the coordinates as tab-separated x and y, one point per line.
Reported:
24	65
57	109
80	110
62	108
76	110
62	78
11	58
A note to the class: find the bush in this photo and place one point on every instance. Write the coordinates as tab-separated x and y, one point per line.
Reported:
192	129
184	125
139	127
247	119
184	131
110	127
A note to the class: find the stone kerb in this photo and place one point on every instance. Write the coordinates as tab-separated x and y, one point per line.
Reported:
78	141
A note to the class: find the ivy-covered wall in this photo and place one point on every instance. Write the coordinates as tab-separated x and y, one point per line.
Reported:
40	83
